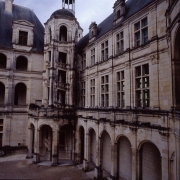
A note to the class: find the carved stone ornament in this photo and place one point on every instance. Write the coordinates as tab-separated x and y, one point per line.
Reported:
154	59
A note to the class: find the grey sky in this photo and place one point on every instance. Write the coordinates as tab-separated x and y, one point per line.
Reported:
86	11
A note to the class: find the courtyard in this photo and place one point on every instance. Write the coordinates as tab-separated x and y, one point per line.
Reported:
17	167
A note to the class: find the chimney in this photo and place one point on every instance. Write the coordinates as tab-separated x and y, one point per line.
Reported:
8	5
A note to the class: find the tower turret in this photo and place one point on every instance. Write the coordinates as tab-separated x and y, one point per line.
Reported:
70	4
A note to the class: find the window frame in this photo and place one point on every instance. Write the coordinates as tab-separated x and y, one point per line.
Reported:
83	93
120	42
23	39
105	91
93	57
142	86
92	92
120	89
105	51
141	32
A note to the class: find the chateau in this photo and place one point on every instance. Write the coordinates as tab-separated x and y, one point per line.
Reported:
109	100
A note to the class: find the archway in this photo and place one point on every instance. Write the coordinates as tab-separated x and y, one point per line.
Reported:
82	143
21	63
105	153
150	162
63	33
2	93
3	61
124	160
177	69
45	143
20	94
92	146
66	142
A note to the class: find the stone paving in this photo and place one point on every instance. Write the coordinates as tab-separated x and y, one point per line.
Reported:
16	167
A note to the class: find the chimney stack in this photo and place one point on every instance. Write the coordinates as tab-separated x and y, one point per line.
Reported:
9	6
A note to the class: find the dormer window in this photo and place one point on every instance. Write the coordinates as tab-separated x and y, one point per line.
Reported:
23	38
118	14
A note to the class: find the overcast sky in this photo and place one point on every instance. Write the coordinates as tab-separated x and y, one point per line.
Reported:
87	11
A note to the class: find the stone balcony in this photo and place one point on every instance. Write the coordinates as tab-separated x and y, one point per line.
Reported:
63	65
63	86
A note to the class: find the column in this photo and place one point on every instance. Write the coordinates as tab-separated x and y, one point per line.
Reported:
86	152
55	147
114	161
98	170
29	154
113	154
77	155
165	168
134	163
36	146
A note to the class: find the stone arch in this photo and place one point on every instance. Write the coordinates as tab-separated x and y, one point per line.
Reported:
92	145
105	152
65	141
20	94
21	63
150	162
176	67
124	158
63	33
45	142
2	93
3	61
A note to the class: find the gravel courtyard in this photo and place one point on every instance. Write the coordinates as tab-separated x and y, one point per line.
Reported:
22	169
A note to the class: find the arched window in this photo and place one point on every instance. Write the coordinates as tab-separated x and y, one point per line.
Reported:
63	34
20	94
3	61
21	63
2	93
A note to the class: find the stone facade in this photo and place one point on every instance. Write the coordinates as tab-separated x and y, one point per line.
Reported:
108	100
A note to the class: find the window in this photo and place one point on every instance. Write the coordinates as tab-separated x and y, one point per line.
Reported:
21	63
92	92
104	51
83	63
120	42
3	61
23	37
142	86
61	97
83	95
62	57
118	14
20	94
63	34
105	91
2	93
120	89
49	56
62	76
93	56
141	32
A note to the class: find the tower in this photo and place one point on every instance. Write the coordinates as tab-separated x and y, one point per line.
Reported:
70	5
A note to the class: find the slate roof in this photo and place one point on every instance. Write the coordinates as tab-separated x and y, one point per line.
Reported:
132	7
19	13
62	12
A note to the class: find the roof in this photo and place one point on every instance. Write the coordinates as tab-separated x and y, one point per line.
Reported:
19	13
63	12
132	7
